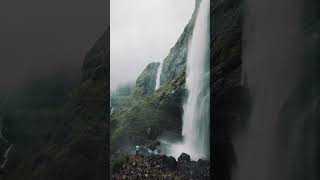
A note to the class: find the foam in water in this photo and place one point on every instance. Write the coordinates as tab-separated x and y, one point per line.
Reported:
196	118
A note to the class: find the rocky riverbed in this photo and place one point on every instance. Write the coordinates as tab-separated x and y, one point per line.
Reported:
162	167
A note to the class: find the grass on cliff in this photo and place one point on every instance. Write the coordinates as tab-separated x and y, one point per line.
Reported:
129	124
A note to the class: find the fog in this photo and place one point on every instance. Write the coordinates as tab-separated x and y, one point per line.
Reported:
279	141
143	31
42	37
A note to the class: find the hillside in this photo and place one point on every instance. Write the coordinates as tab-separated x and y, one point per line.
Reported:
72	143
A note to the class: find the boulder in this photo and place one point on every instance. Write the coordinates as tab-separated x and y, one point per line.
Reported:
172	163
184	158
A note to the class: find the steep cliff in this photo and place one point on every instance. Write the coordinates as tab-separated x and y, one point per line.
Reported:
175	63
95	63
146	82
228	94
229	91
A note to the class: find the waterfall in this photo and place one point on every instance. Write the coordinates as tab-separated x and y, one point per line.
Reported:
158	76
279	142
6	156
196	117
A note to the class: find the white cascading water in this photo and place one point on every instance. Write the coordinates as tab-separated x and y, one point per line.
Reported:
158	76
196	118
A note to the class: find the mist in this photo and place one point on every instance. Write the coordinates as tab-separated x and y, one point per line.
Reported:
40	38
143	31
279	141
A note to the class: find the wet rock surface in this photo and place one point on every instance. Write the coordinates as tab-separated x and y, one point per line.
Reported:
228	93
162	167
184	158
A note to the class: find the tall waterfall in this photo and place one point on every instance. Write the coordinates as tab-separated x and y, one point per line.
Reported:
196	118
158	76
280	141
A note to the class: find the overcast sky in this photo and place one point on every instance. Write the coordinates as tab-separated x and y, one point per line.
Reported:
143	31
39	37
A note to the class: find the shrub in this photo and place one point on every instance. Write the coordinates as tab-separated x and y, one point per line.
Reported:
119	162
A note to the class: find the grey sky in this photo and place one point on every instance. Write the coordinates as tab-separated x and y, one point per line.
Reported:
143	31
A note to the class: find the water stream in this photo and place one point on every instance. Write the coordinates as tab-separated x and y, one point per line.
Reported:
158	76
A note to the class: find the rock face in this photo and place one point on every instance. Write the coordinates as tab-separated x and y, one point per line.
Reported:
95	63
146	82
175	63
229	95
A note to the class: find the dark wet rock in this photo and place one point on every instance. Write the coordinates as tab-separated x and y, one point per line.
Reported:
172	163
229	93
184	158
159	167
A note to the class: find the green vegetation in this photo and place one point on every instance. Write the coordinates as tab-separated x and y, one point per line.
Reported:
160	112
119	162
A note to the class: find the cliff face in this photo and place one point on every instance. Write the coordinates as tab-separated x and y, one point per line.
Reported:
95	63
75	144
175	63
146	82
229	97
